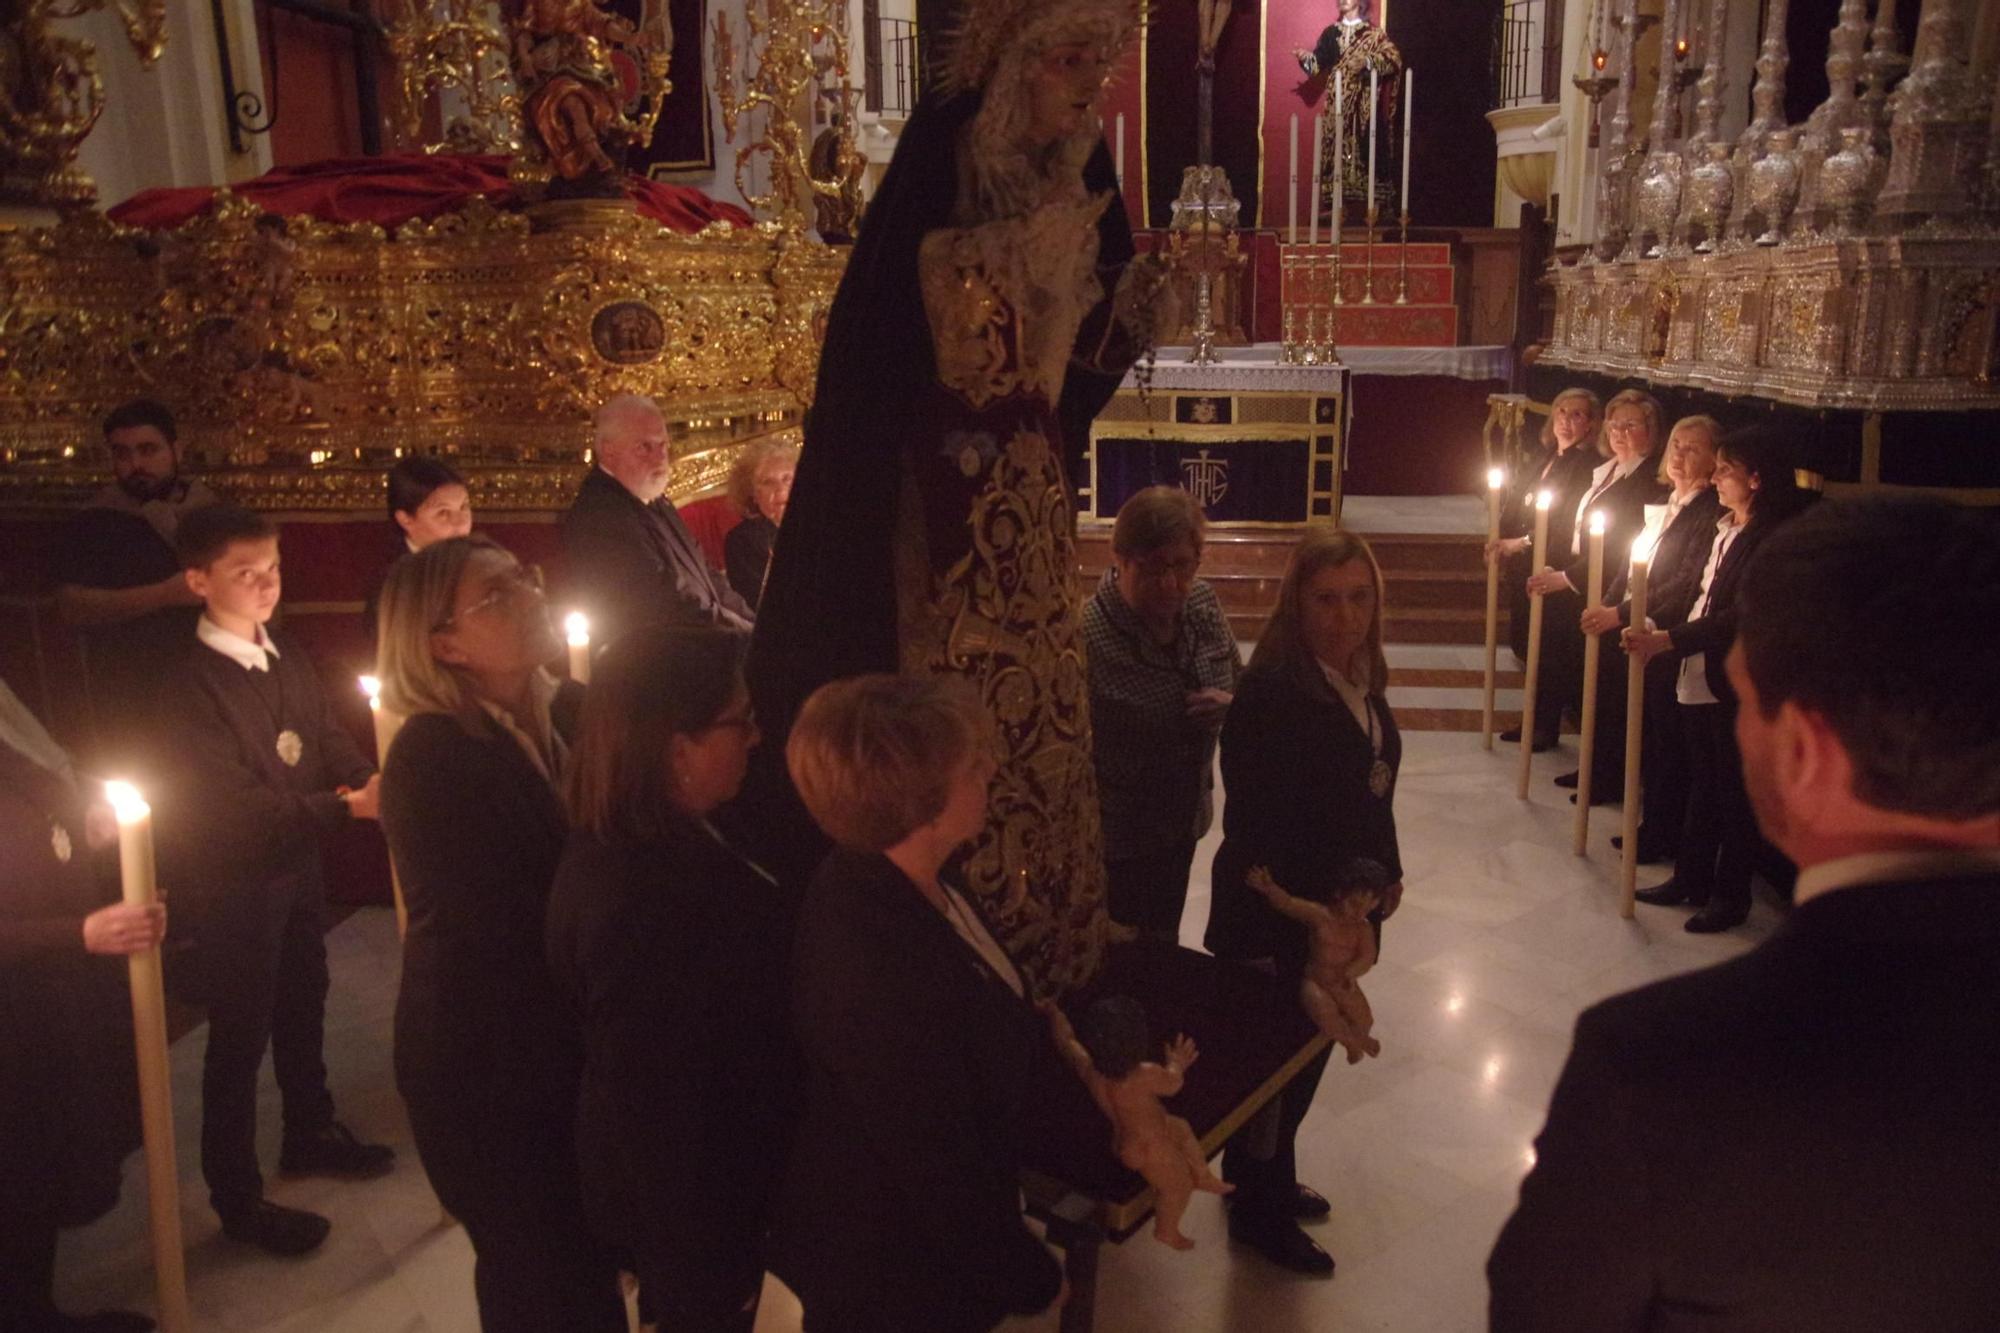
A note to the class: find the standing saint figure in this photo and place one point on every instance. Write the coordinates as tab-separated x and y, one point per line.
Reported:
1353	45
989	310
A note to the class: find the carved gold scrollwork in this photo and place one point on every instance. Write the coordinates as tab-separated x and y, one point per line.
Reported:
457	50
798	45
51	94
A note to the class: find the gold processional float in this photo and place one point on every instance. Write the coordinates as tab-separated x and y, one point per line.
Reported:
302	356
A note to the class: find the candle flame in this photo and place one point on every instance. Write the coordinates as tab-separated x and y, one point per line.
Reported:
1642	547
1598	59
126	802
1495	478
1597	522
1545	499
372	687
577	626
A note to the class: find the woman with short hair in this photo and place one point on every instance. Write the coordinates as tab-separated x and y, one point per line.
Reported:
487	1058
1310	754
1572	447
902	1208
1719	844
428	503
760	486
1163	667
1620	488
673	950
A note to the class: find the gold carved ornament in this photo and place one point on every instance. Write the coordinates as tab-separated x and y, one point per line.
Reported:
576	120
798	44
51	94
459	47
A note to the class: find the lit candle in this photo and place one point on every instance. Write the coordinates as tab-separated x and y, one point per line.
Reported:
149	1035
387	724
1339	162
1495	479
1119	148
1635	724
1312	190
576	626
1537	552
1374	104
1409	103
1292	196
1591	650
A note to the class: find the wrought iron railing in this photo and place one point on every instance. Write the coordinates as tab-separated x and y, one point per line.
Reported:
893	67
1527	53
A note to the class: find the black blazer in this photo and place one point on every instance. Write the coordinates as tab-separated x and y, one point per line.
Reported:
1295	777
1673	578
634	563
1801	1138
476	832
1624	504
1567	475
1714	633
902	1204
675	957
746	552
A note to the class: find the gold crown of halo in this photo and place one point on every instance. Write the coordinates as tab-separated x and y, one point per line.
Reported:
990	29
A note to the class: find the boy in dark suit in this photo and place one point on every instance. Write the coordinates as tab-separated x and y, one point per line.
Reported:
1803	1137
258	770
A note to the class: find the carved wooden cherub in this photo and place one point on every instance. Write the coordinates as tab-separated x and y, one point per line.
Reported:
1128	1087
1343	949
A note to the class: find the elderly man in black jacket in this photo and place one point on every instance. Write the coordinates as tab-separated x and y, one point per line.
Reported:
631	559
1802	1137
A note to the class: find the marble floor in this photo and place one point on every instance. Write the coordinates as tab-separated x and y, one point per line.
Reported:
1504	937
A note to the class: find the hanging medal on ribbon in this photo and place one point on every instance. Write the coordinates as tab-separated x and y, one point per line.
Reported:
1380	779
290	748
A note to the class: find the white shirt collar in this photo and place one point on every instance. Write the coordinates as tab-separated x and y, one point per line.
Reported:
545	751
251	655
1846	872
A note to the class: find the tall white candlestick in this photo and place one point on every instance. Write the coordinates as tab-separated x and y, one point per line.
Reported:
1339	163
576	627
1592	647
156	1093
1495	479
1292	194
1538	553
1409	101
1635	726
387	724
1119	148
1312	191
1374	105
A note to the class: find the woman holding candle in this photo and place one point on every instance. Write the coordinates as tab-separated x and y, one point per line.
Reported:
1571	446
1310	754
68	1099
1685	528
1620	488
674	952
1719	846
487	1058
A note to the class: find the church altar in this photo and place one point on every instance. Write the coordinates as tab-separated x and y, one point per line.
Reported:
1257	442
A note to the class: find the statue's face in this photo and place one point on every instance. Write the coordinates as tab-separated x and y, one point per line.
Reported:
1350	9
1063	87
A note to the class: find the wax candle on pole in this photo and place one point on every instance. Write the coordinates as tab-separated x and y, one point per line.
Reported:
1409	102
387	724
1292	194
149	1035
1374	104
1537	552
1339	171
1592	648
1635	725
576	628
1495	479
1120	151
1312	190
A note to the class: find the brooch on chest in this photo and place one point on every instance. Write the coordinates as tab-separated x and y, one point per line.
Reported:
59	842
290	748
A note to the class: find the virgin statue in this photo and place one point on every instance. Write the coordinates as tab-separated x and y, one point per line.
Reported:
1353	45
990	308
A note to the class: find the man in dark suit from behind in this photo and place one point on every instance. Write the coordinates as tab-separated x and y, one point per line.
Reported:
632	561
1803	1137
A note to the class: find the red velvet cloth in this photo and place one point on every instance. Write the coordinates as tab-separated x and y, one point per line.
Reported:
392	190
709	520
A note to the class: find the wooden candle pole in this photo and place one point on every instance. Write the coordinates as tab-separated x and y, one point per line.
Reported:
156	1093
387	724
1635	725
1591	651
576	627
1495	479
1540	548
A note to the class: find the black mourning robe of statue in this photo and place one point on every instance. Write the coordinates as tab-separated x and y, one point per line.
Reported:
932	522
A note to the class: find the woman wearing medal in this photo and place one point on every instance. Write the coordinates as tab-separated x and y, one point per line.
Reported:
1309	759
